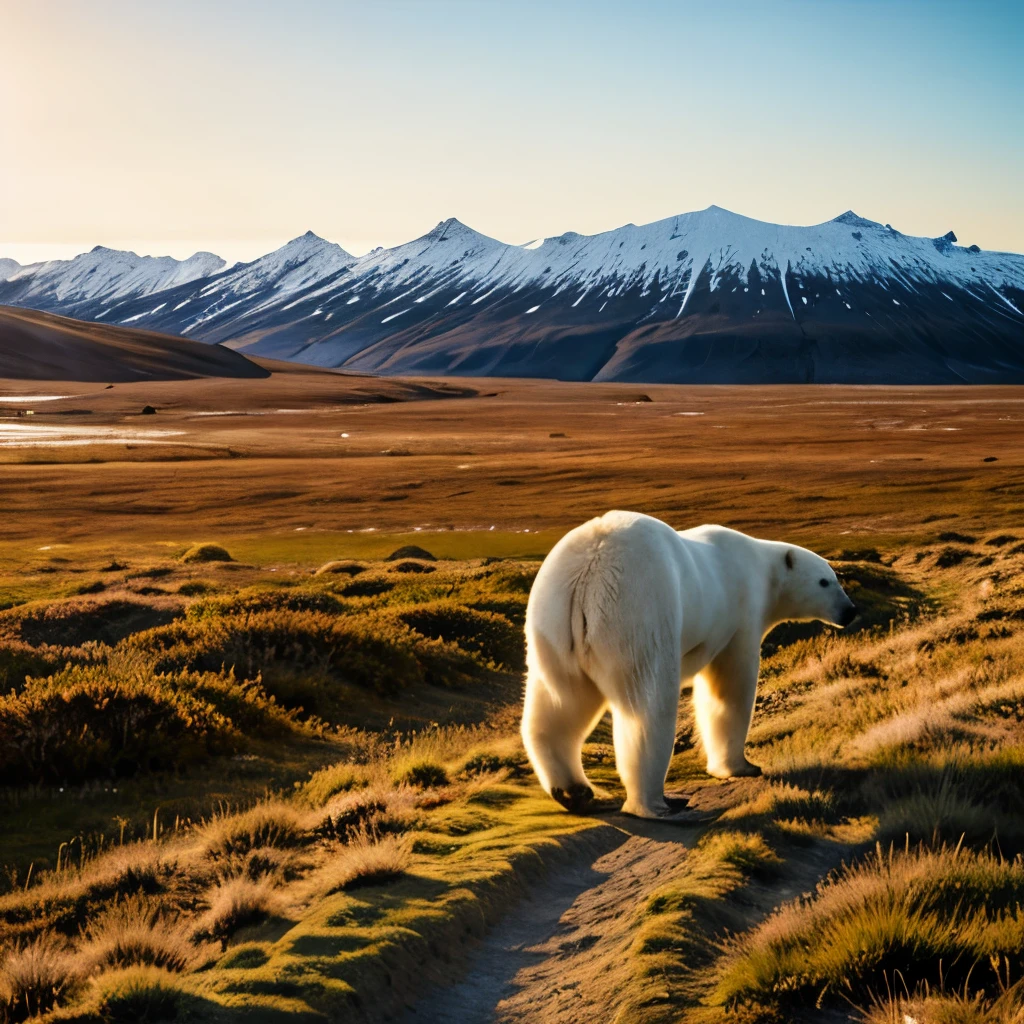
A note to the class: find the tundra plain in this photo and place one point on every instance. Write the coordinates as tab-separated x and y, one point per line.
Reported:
252	765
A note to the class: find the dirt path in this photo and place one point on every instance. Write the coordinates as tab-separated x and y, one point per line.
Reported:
562	956
556	956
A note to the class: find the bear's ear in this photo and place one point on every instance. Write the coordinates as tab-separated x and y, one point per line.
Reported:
789	559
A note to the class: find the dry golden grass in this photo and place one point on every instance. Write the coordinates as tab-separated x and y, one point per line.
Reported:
272	823
36	976
137	930
940	914
369	857
925	749
943	1007
134	995
236	903
849	464
412	819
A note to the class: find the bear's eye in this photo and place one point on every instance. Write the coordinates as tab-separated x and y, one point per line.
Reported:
823	583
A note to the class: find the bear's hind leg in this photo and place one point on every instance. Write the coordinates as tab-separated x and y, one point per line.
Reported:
553	732
723	704
644	738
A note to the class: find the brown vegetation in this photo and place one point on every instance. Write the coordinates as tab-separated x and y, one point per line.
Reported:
302	454
245	787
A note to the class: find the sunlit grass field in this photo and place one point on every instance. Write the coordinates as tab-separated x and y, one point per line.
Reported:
238	785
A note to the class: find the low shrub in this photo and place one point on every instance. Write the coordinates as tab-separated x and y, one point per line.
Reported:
487	634
375	650
484	764
247	602
79	621
192	588
126	870
410	551
264	862
19	660
348	568
951	536
746	851
950	556
367	588
332	780
81	723
118	718
424	774
347	811
511	607
410	566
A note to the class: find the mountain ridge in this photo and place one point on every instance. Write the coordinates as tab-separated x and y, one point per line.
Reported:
707	296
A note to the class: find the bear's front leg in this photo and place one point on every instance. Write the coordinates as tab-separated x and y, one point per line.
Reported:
723	704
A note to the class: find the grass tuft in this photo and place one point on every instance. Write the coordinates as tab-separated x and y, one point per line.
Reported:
369	858
332	780
137	931
35	977
237	903
272	823
425	775
137	995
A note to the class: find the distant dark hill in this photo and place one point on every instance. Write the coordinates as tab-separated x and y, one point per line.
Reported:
42	346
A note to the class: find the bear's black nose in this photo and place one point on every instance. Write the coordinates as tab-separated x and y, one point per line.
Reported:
848	615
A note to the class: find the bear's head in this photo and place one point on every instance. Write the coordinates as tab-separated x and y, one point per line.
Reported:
808	589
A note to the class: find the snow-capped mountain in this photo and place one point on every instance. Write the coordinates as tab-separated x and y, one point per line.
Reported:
702	297
103	276
8	267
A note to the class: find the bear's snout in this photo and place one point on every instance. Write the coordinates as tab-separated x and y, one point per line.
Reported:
848	614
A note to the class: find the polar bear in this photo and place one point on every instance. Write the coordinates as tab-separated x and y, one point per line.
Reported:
623	610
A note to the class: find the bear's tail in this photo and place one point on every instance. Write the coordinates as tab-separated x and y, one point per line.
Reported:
559	621
578	639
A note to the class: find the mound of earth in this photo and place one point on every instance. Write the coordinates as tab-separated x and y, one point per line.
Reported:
42	346
207	553
349	568
410	551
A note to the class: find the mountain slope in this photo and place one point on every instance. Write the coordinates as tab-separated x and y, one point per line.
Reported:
102	275
41	346
707	297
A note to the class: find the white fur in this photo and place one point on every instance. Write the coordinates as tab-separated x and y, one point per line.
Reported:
623	610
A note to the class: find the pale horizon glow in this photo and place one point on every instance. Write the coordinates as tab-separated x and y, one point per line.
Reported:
233	126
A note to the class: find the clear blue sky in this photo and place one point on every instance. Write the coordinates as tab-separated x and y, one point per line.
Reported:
236	125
